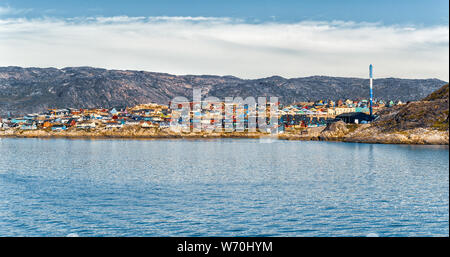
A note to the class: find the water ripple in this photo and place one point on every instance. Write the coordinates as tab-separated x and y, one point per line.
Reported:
221	188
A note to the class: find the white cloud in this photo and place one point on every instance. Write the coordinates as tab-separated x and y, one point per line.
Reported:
6	10
224	46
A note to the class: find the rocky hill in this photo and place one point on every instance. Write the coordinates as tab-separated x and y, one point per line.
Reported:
419	122
431	112
27	90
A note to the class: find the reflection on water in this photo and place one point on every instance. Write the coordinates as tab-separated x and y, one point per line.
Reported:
233	187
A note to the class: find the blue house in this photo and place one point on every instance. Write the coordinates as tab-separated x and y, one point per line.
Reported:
19	120
59	127
28	127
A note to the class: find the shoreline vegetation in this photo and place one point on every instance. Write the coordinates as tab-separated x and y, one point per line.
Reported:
338	132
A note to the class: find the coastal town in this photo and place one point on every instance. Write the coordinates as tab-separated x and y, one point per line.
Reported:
293	117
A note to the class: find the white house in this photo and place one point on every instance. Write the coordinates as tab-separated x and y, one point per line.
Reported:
86	125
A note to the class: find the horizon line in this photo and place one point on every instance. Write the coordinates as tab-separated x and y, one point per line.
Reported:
214	75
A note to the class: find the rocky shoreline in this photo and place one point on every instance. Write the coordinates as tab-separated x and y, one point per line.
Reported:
338	131
369	134
120	134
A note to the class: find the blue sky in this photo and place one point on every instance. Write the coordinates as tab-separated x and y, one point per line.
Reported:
248	39
430	12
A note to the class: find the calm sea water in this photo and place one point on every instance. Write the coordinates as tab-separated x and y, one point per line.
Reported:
235	187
